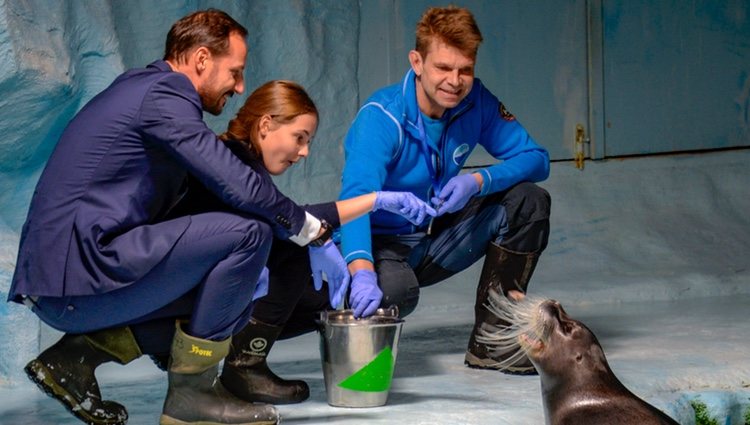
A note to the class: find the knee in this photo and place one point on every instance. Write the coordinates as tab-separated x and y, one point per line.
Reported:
257	236
528	217
405	298
399	285
527	202
251	252
535	198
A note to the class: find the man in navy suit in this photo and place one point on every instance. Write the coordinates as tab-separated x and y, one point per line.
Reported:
102	259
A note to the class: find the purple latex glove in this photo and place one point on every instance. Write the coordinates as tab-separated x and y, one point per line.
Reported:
456	193
327	259
261	288
405	204
365	296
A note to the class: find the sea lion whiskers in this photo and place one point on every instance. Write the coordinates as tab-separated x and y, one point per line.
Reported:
519	329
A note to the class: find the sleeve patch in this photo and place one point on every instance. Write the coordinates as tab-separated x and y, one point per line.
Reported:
505	114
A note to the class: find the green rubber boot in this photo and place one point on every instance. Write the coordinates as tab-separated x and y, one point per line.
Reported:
196	396
65	371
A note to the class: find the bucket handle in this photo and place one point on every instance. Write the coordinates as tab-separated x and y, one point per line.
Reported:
322	319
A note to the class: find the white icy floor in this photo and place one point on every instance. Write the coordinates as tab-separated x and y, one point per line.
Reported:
651	253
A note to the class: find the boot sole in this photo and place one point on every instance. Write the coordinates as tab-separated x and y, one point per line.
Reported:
168	420
39	374
475	362
267	399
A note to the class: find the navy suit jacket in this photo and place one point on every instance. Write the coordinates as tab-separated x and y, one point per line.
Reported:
96	220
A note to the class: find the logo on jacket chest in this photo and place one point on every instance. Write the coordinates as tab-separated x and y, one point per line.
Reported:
460	153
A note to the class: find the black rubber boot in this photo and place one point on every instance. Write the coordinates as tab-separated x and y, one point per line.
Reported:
65	371
503	271
196	396
246	373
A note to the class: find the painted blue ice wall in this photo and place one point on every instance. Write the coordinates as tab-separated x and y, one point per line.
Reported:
56	55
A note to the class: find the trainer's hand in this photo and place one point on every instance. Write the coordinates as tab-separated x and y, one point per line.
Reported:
261	288
405	204
327	259
456	193
365	296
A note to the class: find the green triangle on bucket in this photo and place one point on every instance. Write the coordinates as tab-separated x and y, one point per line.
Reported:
374	376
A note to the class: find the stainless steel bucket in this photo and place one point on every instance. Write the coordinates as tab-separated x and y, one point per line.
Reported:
358	356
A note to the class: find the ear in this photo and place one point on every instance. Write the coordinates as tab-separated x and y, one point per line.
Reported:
264	125
201	56
416	61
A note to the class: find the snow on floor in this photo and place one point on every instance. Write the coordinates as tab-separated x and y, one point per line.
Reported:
651	253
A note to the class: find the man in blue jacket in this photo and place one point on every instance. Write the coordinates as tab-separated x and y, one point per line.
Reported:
102	259
415	136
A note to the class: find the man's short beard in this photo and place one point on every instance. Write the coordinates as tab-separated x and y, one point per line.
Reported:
213	105
213	110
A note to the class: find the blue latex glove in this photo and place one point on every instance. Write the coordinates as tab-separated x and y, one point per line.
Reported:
405	204
261	288
455	194
327	259
366	295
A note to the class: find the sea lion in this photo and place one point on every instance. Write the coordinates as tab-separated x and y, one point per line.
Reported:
578	386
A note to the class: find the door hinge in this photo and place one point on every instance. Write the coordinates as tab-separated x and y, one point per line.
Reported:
579	146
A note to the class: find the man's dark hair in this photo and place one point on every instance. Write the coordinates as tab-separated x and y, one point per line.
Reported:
210	28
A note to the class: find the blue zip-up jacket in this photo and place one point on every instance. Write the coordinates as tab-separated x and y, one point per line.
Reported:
384	151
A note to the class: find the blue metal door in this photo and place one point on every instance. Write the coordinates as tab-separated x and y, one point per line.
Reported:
676	75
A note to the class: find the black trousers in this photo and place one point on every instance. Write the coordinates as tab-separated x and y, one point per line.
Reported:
516	219
292	301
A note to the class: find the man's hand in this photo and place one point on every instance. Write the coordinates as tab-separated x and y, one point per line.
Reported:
456	193
405	204
327	259
365	296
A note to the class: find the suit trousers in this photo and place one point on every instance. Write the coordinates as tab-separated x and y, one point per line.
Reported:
209	278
